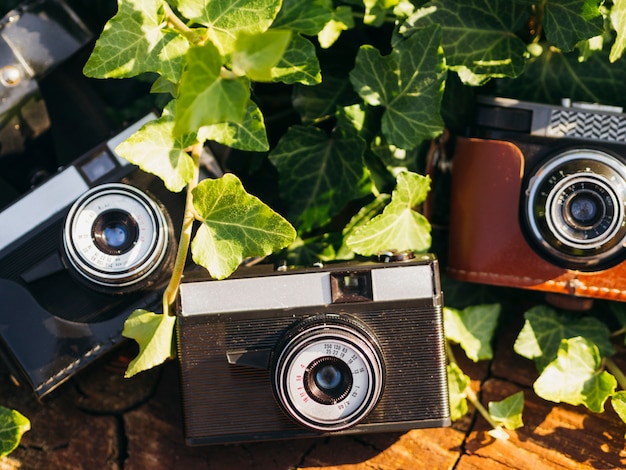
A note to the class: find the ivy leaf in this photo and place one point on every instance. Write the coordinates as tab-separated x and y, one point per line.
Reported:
574	376
235	225
508	412
319	174
618	400
408	83
255	55
377	10
303	17
473	329
544	329
567	22
478	35
342	20
226	19
457	384
154	333
554	75
155	150
618	19
399	227
205	97
134	42
298	64
248	135
361	218
13	425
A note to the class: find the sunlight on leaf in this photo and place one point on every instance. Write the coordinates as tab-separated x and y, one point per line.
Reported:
256	55
457	384
473	328
400	227
575	376
154	334
13	425
508	412
235	225
544	328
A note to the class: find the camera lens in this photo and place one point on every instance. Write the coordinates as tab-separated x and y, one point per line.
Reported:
328	380
575	210
115	232
328	372
116	236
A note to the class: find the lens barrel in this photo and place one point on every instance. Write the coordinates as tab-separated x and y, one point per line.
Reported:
575	209
116	237
328	372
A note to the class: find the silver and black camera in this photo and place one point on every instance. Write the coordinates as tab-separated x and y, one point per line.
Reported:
539	199
78	254
348	348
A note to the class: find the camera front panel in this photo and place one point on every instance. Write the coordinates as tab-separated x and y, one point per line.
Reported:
63	321
493	210
229	382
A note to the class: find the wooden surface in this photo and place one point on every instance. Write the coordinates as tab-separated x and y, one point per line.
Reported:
102	421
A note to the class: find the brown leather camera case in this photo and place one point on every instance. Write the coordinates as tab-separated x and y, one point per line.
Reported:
486	244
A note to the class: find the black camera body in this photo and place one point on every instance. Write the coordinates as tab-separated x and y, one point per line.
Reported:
346	348
539	199
78	254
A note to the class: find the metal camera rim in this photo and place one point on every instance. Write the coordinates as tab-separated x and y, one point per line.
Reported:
577	254
141	268
358	338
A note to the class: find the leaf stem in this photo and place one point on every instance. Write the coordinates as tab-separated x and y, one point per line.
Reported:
169	295
616	371
175	22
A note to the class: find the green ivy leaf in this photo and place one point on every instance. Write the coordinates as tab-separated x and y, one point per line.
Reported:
508	412
567	22
298	64
304	17
408	83
342	20
361	218
256	55
574	376
235	225
399	227
377	10
457	384
155	150
473	329
247	135
154	334
618	400
319	174
205	97
544	329
554	75
134	42
478	35
226	19
618	19
13	425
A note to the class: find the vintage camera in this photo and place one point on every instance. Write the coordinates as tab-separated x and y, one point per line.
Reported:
78	254
538	199
349	348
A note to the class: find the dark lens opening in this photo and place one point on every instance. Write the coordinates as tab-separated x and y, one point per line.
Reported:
328	380
584	209
115	232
